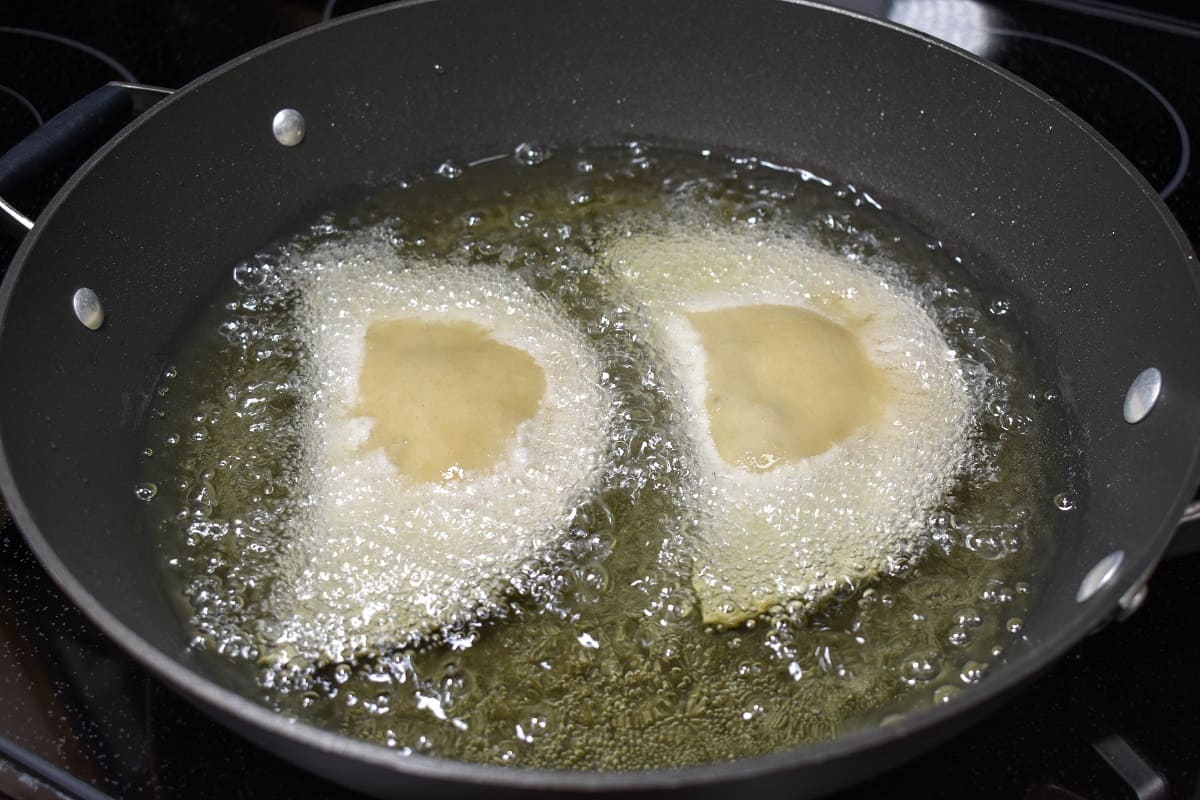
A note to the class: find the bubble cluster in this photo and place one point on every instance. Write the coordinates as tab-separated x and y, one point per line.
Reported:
373	558
803	530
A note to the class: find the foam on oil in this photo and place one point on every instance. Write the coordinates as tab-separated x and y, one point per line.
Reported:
375	558
595	654
798	528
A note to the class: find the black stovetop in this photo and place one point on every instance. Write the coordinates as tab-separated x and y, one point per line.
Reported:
1117	718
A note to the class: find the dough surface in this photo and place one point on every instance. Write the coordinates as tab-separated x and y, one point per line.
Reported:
824	412
456	420
783	383
444	395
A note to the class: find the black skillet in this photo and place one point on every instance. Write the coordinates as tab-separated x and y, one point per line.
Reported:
1033	200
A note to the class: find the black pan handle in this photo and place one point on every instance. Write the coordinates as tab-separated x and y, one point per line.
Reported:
65	142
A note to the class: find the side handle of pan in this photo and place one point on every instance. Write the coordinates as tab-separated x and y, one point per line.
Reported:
1185	542
65	142
1187	535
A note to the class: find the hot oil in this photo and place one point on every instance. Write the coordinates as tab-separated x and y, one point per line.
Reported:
597	658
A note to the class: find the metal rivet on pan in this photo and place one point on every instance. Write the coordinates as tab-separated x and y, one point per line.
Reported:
1100	575
88	309
1142	395
288	127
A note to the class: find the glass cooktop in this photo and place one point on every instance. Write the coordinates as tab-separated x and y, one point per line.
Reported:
1119	717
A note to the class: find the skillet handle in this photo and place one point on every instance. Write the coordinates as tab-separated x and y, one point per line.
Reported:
60	146
1187	535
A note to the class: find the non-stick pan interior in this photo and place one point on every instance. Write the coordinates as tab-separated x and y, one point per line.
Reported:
1033	202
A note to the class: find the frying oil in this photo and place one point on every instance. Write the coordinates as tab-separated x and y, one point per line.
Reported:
597	657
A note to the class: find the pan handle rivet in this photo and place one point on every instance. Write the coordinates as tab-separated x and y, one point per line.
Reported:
1142	395
1100	575
288	127
88	309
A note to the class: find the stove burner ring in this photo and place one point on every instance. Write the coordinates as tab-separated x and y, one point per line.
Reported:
1185	144
24	101
112	63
